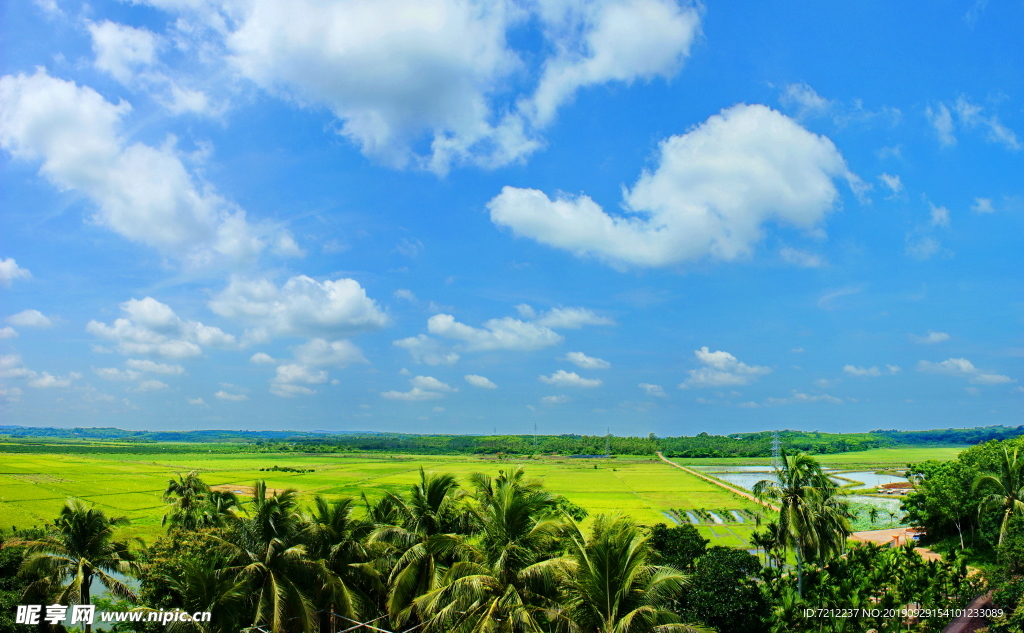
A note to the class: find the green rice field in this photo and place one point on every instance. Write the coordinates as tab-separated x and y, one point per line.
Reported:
33	486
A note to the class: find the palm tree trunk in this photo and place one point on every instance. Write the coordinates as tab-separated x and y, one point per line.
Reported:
86	583
799	569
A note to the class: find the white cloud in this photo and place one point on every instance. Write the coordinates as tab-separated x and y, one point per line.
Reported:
197	401
30	318
801	258
113	373
805	99
11	366
562	378
554	399
143	193
930	337
413	395
497	334
300	307
653	390
431	384
571	318
870	372
230	397
320	352
435	84
963	368
152	328
798	397
154	367
121	50
290	378
586	362
711	193
262	358
942	120
480	382
46	380
424	349
939	216
983	205
8	332
922	247
9	271
405	294
611	41
721	369
970	117
892	182
151	385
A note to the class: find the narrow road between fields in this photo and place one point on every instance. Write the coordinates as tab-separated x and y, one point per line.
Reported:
735	491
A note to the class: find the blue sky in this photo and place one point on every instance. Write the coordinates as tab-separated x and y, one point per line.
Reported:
460	217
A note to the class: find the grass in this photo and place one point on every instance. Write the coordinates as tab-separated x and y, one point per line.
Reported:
877	458
34	486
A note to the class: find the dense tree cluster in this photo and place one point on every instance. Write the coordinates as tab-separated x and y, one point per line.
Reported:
501	554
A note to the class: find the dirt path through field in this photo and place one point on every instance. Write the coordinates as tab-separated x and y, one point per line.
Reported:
745	495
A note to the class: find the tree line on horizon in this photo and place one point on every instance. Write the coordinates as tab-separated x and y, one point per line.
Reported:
702	445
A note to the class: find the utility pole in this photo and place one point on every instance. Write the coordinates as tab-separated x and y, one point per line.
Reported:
608	442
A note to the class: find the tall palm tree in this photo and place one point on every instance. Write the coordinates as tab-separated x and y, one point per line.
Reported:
273	565
873	515
505	580
186	495
811	518
423	538
1006	486
609	585
77	549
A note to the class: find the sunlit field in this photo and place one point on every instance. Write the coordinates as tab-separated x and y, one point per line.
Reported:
33	486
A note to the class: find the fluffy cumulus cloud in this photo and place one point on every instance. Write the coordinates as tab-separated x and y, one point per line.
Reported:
711	193
152	328
963	368
153	367
439	83
9	271
423	388
291	379
930	338
11	366
322	353
562	378
653	390
571	318
122	50
8	332
300	307
262	358
870	372
226	395
144	193
30	318
496	334
601	42
426	350
586	362
480	382
721	369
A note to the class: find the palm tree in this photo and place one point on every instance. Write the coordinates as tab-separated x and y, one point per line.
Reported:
608	584
502	583
273	565
202	585
422	536
873	515
1006	486
77	549
186	494
811	518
